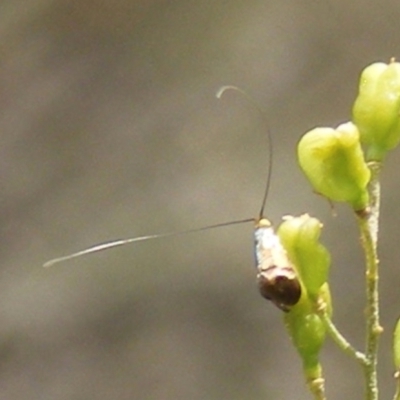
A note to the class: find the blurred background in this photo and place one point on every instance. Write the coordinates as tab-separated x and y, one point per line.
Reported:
110	128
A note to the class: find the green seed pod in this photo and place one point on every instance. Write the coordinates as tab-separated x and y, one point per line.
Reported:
300	237
307	332
376	111
396	345
333	162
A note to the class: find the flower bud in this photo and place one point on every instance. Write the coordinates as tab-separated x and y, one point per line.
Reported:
333	162
300	237
376	111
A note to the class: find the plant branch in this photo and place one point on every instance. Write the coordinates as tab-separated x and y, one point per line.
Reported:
317	388
369	225
315	381
397	394
339	339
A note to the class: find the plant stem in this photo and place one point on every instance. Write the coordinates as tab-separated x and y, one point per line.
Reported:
317	388
340	340
397	394
316	382
369	225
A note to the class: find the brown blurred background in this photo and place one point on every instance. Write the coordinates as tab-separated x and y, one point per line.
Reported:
110	128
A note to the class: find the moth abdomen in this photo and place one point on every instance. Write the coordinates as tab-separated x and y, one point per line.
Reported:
280	285
276	276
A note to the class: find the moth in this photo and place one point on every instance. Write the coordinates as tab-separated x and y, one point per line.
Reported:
276	276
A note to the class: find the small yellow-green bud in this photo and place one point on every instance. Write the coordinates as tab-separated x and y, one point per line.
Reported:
300	237
333	161
376	111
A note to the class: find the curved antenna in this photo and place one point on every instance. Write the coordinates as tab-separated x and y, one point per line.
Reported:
219	94
121	242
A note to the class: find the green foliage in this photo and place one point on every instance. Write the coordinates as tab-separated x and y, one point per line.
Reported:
333	162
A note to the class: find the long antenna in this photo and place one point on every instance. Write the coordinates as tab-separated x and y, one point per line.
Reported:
121	242
219	94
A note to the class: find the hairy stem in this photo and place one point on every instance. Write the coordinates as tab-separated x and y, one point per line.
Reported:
316	382
317	388
339	339
368	224
397	394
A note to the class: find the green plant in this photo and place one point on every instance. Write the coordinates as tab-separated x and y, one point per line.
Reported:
344	164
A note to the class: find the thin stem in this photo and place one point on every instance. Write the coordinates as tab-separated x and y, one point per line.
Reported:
339	339
397	394
315	381
317	388
368	224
